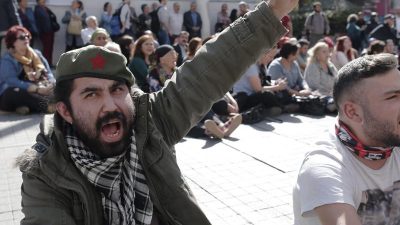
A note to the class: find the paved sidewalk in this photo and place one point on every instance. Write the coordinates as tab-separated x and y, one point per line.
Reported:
246	179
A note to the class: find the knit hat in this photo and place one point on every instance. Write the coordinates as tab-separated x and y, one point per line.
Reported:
93	61
97	32
163	50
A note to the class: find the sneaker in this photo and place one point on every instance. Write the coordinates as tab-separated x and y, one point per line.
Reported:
232	124
273	111
213	129
22	110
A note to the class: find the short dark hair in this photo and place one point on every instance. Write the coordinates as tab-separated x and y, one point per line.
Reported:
288	49
105	6
355	71
143	6
62	93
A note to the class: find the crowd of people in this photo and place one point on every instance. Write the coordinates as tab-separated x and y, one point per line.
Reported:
283	80
130	87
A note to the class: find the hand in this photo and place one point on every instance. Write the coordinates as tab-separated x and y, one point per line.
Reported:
281	84
45	90
282	7
304	93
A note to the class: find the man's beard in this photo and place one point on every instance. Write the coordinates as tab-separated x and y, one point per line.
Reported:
91	137
380	131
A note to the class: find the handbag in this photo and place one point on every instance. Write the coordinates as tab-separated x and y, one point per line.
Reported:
311	105
74	27
53	21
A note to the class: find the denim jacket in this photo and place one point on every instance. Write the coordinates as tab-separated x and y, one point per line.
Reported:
11	69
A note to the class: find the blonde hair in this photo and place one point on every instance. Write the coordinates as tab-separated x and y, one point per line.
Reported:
312	52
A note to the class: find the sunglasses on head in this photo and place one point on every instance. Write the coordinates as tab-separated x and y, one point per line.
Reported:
24	37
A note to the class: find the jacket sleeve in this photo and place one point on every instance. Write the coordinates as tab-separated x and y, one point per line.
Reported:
66	18
9	74
215	68
41	204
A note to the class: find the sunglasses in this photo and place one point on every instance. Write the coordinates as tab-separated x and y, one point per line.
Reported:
24	37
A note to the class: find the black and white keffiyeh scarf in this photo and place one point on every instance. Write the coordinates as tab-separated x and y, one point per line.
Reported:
119	179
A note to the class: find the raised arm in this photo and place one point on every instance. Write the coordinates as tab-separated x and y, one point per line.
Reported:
215	68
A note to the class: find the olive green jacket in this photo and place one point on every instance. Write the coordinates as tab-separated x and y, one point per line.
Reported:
55	192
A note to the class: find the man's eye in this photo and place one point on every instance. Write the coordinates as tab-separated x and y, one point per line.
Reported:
91	95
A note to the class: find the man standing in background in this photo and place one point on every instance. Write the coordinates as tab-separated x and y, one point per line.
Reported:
175	22
192	21
316	25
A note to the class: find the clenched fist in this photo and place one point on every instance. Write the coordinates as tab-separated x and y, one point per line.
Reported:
282	7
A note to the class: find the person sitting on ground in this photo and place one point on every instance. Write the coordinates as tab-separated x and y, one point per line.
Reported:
126	43
86	33
163	65
100	37
26	80
249	91
286	68
302	58
343	52
390	47
107	155
352	176
139	65
320	74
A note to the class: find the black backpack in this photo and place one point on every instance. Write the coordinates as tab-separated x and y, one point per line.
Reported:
155	21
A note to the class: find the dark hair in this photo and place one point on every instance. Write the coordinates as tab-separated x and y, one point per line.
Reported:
62	93
105	6
124	43
303	42
137	52
193	44
376	47
80	3
288	49
11	35
143	6
361	68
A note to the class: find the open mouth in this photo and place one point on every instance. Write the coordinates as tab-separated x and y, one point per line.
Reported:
112	131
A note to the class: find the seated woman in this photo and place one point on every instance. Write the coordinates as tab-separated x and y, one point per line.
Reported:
286	68
139	65
343	52
26	80
320	74
162	67
249	91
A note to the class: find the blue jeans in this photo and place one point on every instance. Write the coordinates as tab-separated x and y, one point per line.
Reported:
163	37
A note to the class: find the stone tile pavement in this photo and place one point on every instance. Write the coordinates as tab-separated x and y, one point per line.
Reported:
245	179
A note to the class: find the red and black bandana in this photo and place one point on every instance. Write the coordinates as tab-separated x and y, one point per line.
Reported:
354	144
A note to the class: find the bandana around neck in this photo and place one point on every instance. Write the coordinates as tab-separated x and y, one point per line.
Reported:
119	179
354	145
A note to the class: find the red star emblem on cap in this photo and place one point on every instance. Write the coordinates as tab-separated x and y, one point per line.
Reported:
98	62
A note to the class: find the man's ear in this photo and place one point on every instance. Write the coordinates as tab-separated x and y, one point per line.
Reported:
352	111
64	112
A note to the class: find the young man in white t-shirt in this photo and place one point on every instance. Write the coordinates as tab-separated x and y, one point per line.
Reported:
354	176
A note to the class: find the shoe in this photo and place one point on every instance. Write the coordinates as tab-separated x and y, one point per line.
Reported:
213	129
232	124
291	108
272	111
22	110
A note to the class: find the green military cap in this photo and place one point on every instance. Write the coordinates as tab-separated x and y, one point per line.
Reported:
93	61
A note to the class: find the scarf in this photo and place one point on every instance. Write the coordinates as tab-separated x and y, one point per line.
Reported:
119	179
31	63
354	145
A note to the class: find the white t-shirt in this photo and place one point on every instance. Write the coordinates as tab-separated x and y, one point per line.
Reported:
175	23
334	175
125	16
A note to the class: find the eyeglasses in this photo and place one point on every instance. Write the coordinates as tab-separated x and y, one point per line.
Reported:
24	37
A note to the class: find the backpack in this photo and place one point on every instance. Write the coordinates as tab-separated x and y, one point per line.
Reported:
155	21
115	22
